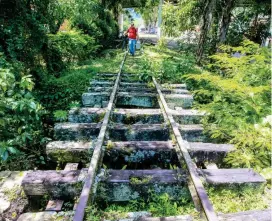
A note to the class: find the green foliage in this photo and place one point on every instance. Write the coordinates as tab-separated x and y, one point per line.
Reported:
64	92
171	69
140	180
94	214
159	205
233	199
181	18
164	64
60	115
253	147
23	31
95	20
74	104
221	22
58	93
237	97
165	70
149	12
162	43
146	70
247	23
34	42
20	123
72	46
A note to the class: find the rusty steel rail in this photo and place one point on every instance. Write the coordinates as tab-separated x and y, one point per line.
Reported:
84	197
206	205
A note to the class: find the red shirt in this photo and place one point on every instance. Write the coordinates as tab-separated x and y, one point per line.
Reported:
132	33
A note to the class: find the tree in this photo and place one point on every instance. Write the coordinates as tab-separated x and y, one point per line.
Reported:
149	13
206	23
181	17
227	7
249	18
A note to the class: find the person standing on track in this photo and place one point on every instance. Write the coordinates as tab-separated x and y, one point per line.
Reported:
133	37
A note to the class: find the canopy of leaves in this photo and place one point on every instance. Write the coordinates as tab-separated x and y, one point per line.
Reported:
149	12
95	20
181	17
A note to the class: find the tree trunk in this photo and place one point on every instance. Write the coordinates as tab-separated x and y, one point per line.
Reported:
207	19
225	20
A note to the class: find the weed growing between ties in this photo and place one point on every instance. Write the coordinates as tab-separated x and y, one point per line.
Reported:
157	205
168	66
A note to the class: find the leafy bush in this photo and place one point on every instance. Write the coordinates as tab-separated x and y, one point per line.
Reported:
95	20
64	92
72	45
58	93
24	28
20	123
236	94
247	22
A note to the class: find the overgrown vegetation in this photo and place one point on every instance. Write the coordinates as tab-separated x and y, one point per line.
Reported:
20	124
64	92
70	47
168	66
235	92
26	129
234	199
234	89
46	49
157	205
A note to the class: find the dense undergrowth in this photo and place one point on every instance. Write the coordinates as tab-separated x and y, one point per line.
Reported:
168	66
235	93
29	115
47	51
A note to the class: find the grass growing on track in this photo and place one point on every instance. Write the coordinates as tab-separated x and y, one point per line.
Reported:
168	66
234	199
109	62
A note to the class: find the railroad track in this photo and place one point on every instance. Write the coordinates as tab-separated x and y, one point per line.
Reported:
147	127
